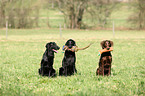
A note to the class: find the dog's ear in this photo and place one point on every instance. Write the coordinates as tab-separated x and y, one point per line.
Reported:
47	45
111	43
74	43
102	44
66	44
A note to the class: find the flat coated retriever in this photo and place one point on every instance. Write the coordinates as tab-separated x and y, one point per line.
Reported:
105	59
47	60
68	62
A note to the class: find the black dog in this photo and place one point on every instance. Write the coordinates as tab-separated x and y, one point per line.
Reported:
68	63
47	60
105	59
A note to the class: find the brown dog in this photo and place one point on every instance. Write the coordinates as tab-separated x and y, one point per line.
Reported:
105	59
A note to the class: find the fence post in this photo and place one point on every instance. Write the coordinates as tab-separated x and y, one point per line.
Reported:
60	31
113	30
6	29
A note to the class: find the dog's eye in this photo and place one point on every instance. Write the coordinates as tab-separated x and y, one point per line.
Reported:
70	42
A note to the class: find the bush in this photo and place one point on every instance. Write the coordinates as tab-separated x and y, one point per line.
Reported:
20	14
137	19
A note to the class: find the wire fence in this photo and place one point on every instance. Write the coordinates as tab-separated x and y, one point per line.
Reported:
87	24
55	22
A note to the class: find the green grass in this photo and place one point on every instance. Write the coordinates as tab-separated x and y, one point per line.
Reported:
21	53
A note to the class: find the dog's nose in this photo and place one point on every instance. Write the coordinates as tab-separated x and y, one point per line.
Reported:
58	47
108	48
69	46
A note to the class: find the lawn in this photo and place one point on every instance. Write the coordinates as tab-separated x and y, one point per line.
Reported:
21	53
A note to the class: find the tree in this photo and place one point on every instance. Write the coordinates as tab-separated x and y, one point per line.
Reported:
19	13
138	17
2	12
73	11
101	10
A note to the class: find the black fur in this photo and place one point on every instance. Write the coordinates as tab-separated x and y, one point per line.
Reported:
68	62
47	60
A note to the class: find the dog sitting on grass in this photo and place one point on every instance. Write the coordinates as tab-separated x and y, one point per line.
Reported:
105	59
47	60
68	63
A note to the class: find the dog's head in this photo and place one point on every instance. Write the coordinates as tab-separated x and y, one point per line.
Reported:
106	44
70	43
52	46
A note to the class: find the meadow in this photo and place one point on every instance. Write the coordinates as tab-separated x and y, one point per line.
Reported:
21	53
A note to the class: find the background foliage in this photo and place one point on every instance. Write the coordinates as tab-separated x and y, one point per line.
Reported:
137	19
19	13
75	14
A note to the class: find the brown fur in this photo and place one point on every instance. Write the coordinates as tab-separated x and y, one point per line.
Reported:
105	59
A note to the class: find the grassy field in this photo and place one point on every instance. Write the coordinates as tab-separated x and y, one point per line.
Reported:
21	53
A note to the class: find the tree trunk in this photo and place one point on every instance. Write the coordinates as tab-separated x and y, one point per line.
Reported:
2	14
76	18
79	18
